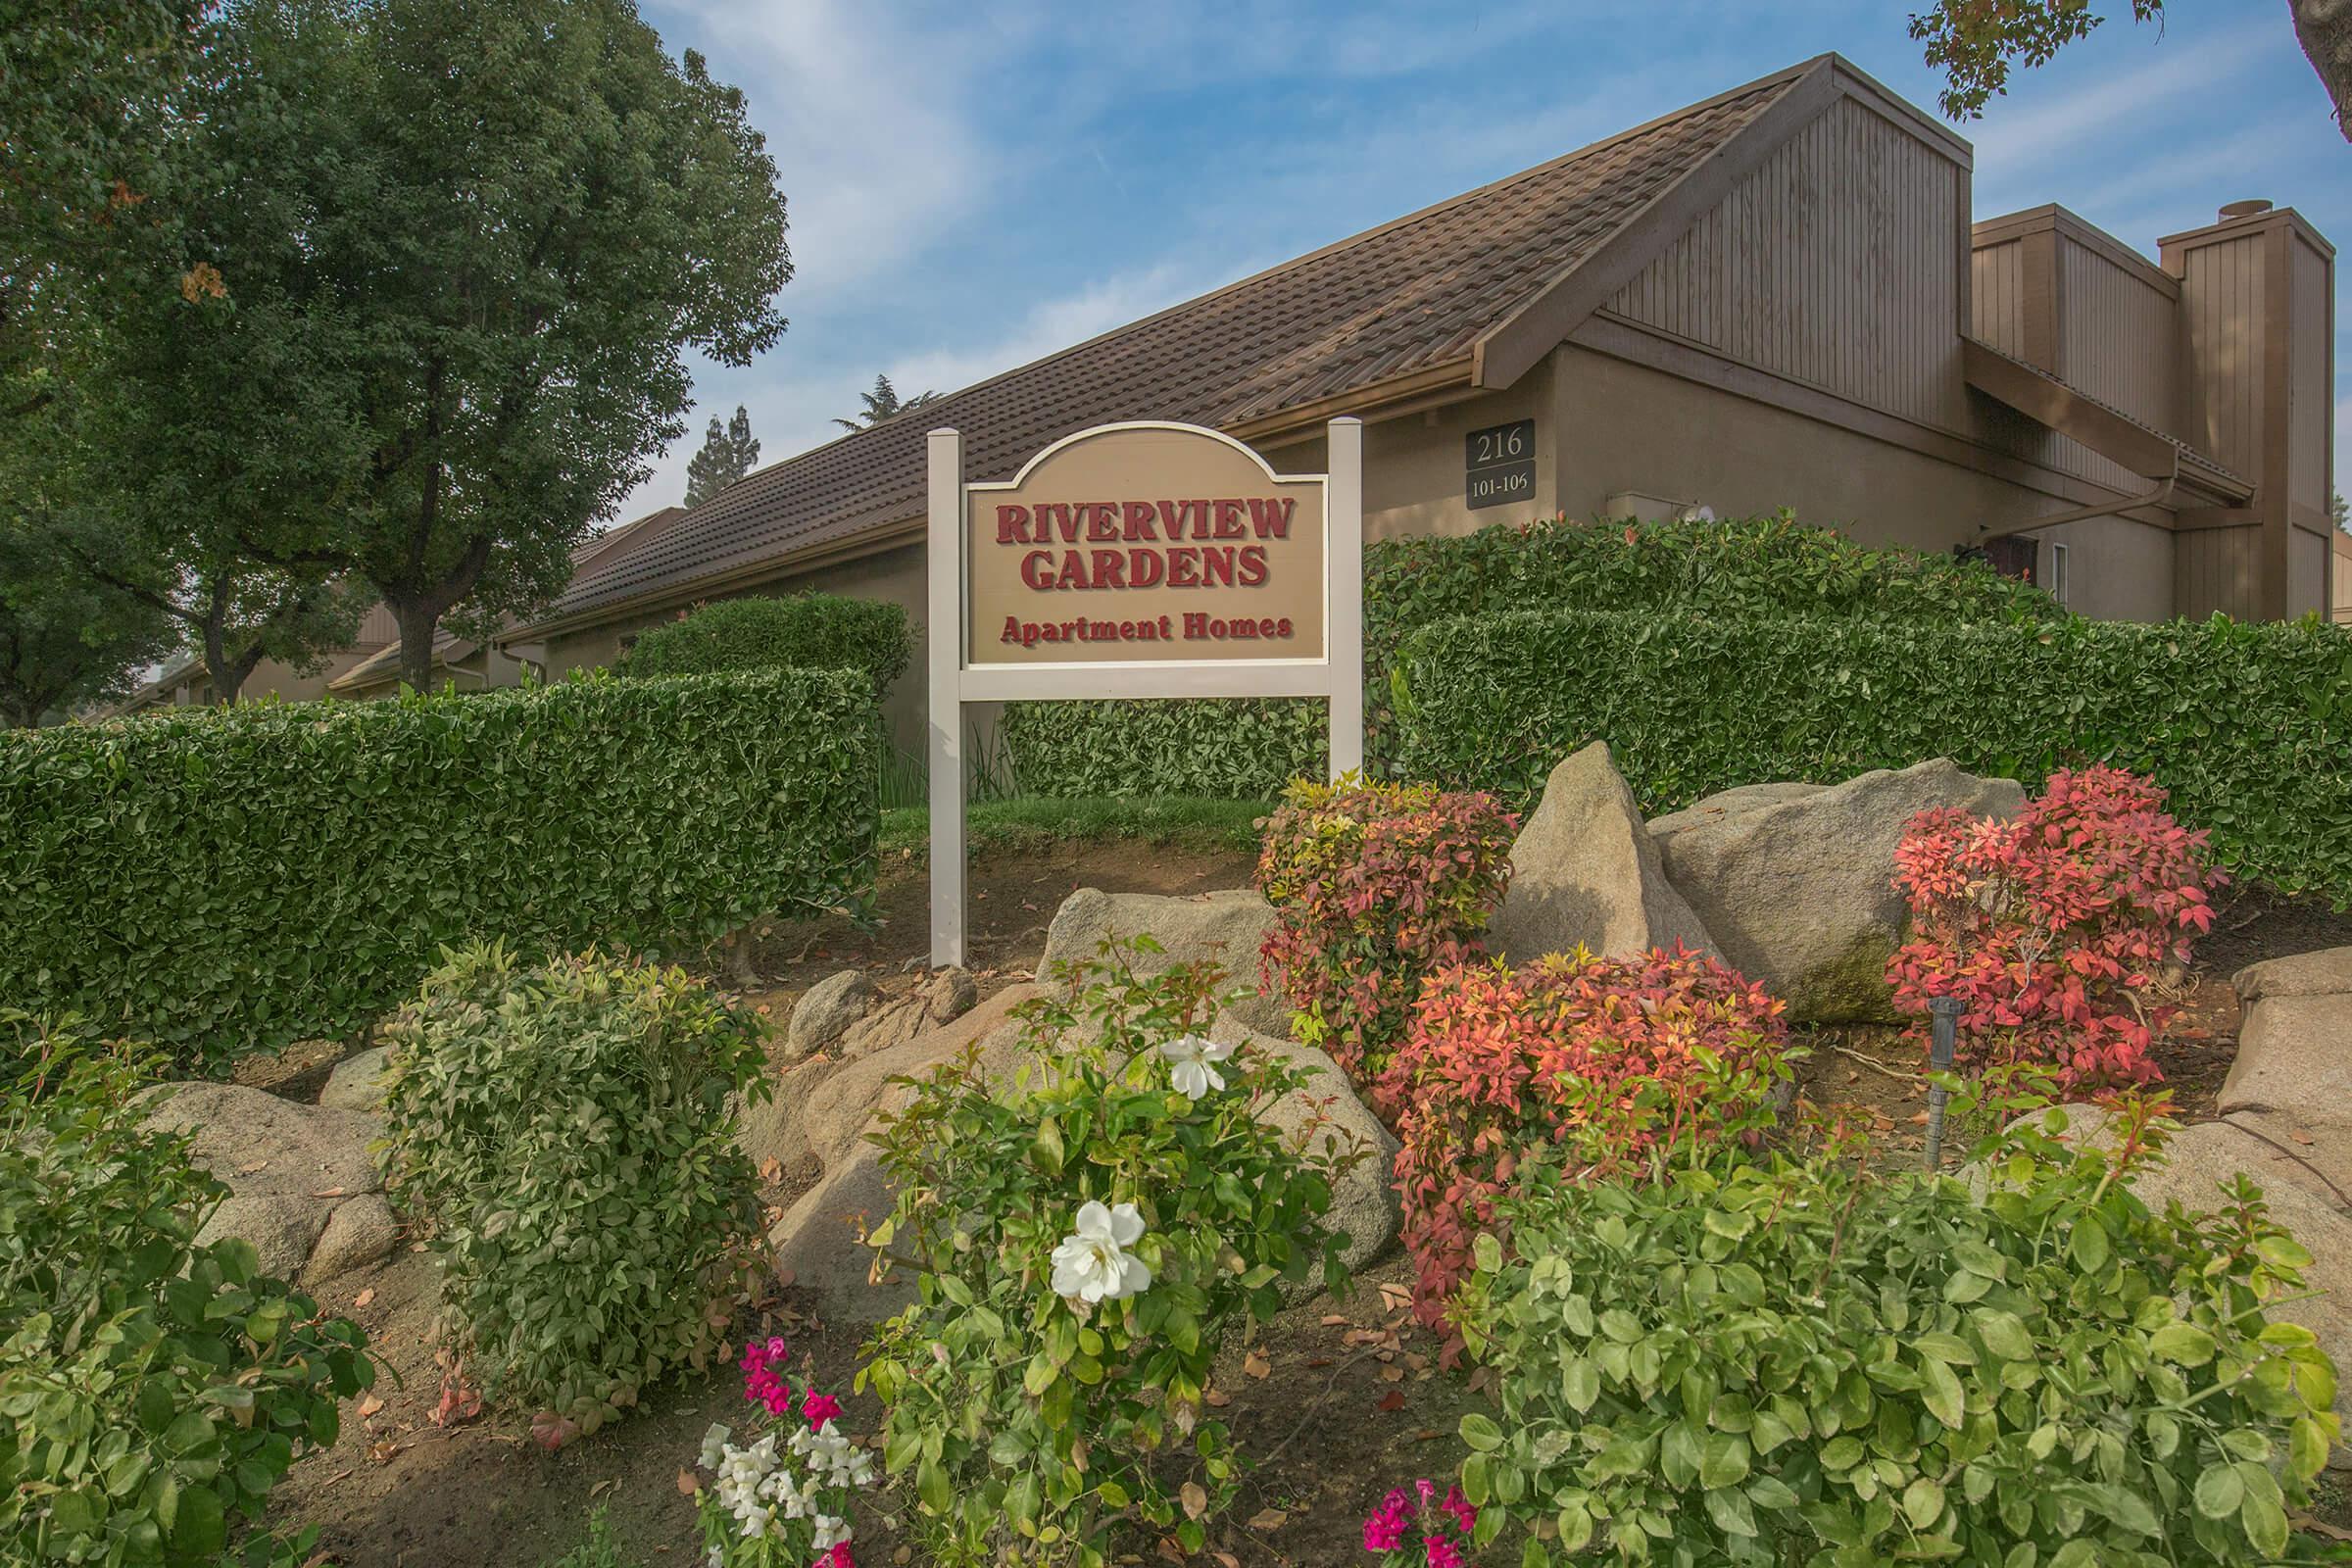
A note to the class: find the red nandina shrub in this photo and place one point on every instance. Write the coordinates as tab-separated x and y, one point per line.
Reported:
2053	927
1623	1058
1375	886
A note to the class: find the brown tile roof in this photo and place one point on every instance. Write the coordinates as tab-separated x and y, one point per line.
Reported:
1411	295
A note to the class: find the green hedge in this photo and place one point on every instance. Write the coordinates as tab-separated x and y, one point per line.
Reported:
798	632
223	882
1757	566
2248	725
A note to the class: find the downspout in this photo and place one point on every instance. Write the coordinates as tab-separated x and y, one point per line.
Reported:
2097	509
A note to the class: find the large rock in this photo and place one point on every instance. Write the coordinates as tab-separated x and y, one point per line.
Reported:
826	1010
356	1083
290	1169
1583	872
2295	1041
1227	926
1797	881
817	1240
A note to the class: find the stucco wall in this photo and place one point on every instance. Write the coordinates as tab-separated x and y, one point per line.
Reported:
893	576
1621	426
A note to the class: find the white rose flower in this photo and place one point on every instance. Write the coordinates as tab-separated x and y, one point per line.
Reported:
1093	1263
1189	1057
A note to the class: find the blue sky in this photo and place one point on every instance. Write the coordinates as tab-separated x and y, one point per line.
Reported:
973	185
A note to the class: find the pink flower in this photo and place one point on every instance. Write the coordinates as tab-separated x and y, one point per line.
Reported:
820	1408
1384	1529
838	1558
1440	1552
1465	1514
761	1385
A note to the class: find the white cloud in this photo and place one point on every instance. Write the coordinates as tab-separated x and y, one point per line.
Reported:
867	115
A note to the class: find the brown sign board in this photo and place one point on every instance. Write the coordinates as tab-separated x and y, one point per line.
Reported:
1145	544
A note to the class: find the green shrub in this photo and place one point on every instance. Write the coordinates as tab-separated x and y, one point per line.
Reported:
1375	887
1029	1419
2248	726
152	1388
1757	566
223	882
1807	1362
798	632
566	1131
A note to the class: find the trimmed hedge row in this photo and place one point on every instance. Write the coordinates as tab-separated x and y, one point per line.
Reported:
225	882
2248	725
1769	566
1236	749
797	631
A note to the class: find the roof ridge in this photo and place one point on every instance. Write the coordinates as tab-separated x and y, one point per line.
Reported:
1502	183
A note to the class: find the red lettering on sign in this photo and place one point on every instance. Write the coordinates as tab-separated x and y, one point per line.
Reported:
1272	518
1138	520
1036	568
1253	565
1012	525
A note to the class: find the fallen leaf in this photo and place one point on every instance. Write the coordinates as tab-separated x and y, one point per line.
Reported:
1333	1320
247	1170
1267	1519
1216	1397
1226	1559
364	1297
1318	1363
688	1483
1392	1400
1392	1374
602	1486
370	1406
333	1191
1195	1499
2299	1137
1257	1364
551	1431
1168	1549
1392	1296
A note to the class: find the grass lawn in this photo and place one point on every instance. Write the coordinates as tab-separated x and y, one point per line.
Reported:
1182	820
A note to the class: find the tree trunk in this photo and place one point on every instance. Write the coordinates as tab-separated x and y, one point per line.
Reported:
227	676
417	619
2325	29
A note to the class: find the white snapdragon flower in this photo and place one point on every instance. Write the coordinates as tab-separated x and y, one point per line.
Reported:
714	1445
1093	1263
830	1532
1189	1070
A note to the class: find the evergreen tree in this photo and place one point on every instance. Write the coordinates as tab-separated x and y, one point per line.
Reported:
883	403
727	455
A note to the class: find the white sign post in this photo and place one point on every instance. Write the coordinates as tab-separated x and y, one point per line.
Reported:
1144	560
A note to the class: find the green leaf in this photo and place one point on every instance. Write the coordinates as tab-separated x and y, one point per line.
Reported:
1480	1433
1939	1391
2219	1490
2181	1343
1923	1502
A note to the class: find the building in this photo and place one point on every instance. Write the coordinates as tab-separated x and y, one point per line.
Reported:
369	666
2342	609
184	681
1772	298
472	664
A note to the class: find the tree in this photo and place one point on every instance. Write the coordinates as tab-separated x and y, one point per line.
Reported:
94	93
467	249
64	641
882	403
1975	41
727	455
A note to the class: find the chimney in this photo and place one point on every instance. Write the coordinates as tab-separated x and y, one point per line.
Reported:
2253	208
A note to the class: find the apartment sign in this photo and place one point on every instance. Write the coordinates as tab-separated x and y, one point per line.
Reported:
1143	559
1146	544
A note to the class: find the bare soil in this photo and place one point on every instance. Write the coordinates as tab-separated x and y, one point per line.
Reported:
1343	1402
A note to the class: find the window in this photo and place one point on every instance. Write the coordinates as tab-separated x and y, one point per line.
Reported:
2055	580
